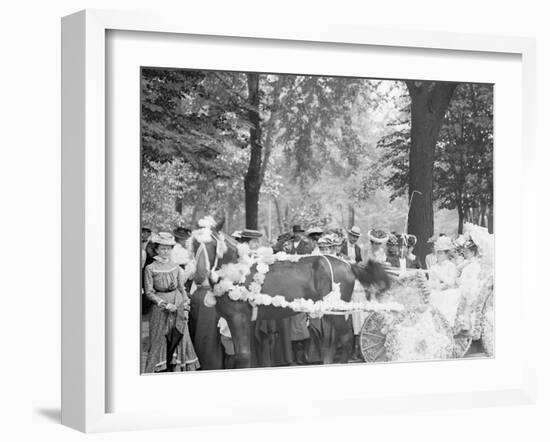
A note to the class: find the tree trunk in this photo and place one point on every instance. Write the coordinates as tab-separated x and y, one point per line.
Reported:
428	105
179	205
279	216
252	180
351	222
195	215
483	215
460	220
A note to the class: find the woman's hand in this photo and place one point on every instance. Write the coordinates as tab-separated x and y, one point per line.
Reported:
171	308
162	305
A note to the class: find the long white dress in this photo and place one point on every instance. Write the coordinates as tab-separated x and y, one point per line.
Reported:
469	284
445	295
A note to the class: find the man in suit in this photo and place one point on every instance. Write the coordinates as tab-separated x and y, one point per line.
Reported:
299	333
300	244
350	249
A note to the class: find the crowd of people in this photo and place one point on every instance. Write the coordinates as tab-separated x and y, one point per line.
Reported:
185	335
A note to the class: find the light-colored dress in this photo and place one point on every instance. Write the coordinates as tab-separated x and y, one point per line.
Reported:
164	281
445	296
469	284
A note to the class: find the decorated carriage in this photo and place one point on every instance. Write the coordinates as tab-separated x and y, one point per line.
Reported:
424	330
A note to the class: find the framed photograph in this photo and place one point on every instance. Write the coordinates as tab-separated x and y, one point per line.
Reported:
288	208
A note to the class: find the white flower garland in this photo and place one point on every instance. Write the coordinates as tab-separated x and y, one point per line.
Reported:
231	277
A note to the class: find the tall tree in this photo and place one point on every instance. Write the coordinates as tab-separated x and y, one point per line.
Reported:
464	155
429	102
253	178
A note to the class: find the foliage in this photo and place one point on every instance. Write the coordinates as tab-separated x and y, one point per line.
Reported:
329	158
464	155
463	168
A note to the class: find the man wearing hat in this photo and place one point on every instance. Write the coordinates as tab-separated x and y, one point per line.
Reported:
300	244
350	249
299	333
352	252
283	243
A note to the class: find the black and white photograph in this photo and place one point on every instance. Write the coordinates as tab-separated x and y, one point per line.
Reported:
292	220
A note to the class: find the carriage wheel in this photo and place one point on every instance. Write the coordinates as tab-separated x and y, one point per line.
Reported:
373	338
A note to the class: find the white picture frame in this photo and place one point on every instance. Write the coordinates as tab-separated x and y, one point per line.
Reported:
85	213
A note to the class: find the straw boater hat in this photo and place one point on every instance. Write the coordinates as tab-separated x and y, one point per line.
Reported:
146	229
163	238
443	243
251	234
315	231
354	231
378	236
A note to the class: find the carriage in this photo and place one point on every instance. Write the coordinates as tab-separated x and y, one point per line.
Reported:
421	331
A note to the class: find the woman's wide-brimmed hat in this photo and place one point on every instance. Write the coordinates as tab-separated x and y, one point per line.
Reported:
164	239
251	234
315	231
443	243
378	236
354	231
182	232
297	228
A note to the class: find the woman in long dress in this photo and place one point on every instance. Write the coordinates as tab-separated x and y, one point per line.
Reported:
469	283
164	286
445	295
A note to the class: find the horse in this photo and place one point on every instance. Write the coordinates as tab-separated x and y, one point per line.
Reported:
311	277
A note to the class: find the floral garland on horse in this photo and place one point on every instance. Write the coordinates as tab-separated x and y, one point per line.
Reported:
230	279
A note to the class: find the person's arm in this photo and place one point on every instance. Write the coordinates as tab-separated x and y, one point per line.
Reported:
150	289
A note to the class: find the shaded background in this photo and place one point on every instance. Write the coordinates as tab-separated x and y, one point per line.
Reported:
268	151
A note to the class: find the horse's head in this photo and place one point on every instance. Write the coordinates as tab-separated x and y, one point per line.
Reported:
372	275
210	247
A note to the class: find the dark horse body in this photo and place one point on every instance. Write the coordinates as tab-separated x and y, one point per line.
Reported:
308	278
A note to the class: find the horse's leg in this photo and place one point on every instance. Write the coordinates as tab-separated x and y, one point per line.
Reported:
238	317
344	332
328	340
